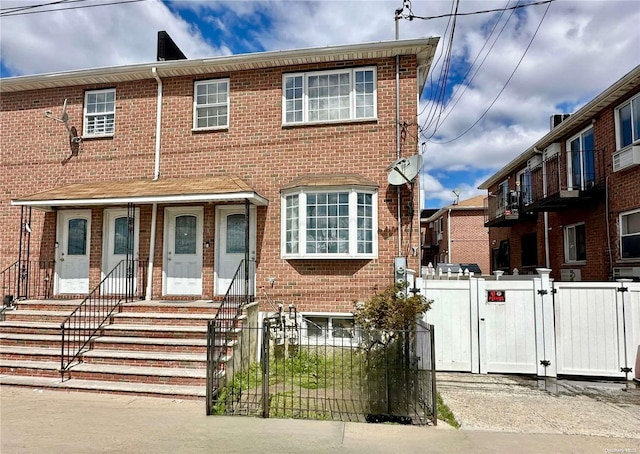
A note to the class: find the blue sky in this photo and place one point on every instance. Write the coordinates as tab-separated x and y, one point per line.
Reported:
557	56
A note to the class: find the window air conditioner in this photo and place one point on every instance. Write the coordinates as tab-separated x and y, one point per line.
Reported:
626	272
626	158
552	150
439	236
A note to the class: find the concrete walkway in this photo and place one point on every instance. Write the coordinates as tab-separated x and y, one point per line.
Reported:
36	421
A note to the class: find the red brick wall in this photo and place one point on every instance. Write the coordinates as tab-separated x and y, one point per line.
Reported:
469	238
255	148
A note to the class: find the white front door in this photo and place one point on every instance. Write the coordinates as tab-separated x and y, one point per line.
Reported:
72	252
182	270
230	243
116	241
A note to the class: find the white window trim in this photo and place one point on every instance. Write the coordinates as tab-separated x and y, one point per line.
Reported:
330	340
195	104
524	190
352	107
568	153
85	114
617	124
620	235
565	241
353	223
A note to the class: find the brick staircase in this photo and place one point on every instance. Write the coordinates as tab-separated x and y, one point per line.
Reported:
151	348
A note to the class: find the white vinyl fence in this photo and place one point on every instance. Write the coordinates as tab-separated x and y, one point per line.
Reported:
535	326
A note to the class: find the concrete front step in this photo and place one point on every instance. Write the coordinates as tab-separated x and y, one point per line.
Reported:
162	318
179	331
30	327
45	316
107	372
137	389
123	357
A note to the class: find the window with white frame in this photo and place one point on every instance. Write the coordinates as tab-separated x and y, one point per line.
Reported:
336	329
335	223
524	178
630	235
329	96
581	161
628	122
575	243
99	112
211	104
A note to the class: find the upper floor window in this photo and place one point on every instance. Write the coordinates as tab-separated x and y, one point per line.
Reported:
575	243
99	112
524	178
329	96
337	223
581	162
628	122
211	104
630	235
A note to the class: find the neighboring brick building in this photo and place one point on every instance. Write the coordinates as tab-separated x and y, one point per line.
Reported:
456	234
302	137
571	202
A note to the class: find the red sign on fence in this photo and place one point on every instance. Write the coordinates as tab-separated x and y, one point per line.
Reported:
496	296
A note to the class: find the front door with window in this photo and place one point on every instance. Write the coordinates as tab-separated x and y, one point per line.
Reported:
72	253
182	271
230	243
117	240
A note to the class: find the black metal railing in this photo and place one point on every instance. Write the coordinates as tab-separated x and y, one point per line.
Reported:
240	293
574	171
288	369
502	206
118	286
27	279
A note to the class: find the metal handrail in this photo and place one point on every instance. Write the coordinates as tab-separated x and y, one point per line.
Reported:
27	279
238	295
92	313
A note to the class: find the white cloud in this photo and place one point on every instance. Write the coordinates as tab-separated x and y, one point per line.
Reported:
93	37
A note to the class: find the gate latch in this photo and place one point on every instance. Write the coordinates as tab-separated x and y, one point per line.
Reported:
545	363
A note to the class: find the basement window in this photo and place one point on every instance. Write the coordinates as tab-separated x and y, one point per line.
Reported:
334	329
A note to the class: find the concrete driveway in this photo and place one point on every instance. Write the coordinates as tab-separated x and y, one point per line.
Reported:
518	404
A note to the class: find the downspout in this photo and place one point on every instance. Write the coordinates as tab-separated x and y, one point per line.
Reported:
420	201
156	176
547	259
449	237
398	151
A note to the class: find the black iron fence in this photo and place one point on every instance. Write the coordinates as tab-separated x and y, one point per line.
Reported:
83	323
287	368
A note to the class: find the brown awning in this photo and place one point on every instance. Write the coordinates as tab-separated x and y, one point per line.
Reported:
328	180
169	190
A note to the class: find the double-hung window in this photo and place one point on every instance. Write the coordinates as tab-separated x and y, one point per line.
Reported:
630	235
627	135
335	223
211	104
575	243
329	96
581	161
628	122
99	112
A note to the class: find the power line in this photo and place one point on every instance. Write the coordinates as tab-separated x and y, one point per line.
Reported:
411	16
22	8
20	12
505	84
475	73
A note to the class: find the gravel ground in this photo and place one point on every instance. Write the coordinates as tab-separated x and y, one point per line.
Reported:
525	405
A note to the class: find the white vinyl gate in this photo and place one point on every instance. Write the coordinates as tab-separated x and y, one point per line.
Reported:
534	326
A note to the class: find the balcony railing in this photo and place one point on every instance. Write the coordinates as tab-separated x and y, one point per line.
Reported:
566	179
502	210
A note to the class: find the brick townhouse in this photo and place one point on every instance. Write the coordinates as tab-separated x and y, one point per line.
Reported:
456	233
571	202
191	166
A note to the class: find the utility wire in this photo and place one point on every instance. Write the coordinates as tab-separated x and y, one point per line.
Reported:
505	84
476	70
20	13
411	17
22	8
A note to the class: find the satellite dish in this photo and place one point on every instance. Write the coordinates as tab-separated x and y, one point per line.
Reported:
403	171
